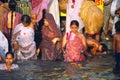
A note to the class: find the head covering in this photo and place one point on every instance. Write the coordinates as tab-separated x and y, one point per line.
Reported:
52	24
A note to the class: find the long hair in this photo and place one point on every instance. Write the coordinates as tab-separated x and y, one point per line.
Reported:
12	5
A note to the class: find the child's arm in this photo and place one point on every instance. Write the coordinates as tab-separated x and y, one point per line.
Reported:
63	42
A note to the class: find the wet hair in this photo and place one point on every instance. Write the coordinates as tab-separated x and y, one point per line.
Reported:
9	53
26	18
117	26
104	47
74	22
12	5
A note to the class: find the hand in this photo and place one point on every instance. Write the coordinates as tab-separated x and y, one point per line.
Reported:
37	51
55	40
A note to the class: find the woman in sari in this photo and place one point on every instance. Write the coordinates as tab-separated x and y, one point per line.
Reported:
75	43
51	39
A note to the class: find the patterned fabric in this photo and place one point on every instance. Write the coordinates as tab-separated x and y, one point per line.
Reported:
73	47
25	38
13	67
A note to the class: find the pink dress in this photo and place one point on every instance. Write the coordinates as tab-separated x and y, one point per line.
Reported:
38	6
73	48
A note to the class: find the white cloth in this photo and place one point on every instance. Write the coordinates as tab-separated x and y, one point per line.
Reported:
13	67
113	9
3	42
25	38
73	14
54	10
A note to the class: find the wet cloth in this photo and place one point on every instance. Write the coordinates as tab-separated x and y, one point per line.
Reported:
2	54
3	42
25	38
50	51
13	67
73	47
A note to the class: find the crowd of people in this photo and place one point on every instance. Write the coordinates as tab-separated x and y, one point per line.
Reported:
24	37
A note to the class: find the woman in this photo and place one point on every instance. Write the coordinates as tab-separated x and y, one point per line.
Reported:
51	39
24	35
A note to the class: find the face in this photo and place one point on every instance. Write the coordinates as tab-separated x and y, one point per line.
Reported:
25	24
74	28
9	59
46	23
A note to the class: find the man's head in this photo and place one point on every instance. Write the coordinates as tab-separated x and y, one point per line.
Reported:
104	48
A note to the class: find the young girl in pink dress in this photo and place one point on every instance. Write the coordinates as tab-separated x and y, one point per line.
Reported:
75	43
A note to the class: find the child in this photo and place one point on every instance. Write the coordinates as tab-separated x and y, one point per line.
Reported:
9	58
75	42
116	47
94	46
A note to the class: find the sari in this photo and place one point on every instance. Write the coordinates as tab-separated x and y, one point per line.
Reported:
25	38
38	6
50	51
73	48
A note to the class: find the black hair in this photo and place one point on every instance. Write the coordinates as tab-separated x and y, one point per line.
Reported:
117	26
75	22
4	1
104	47
26	18
9	53
12	5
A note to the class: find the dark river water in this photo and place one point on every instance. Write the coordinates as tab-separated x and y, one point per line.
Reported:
94	68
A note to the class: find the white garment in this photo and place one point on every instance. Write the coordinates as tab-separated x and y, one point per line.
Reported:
25	38
54	10
13	67
73	14
3	42
113	9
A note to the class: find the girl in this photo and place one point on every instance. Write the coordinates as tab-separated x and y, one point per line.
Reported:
9	58
75	42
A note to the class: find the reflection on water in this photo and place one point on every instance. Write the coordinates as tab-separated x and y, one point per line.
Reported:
97	68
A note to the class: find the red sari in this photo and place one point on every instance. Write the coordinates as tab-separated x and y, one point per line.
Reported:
50	51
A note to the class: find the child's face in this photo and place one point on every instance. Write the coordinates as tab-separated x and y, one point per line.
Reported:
74	28
9	59
25	24
46	23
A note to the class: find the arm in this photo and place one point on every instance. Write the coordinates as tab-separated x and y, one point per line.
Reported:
84	42
63	42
